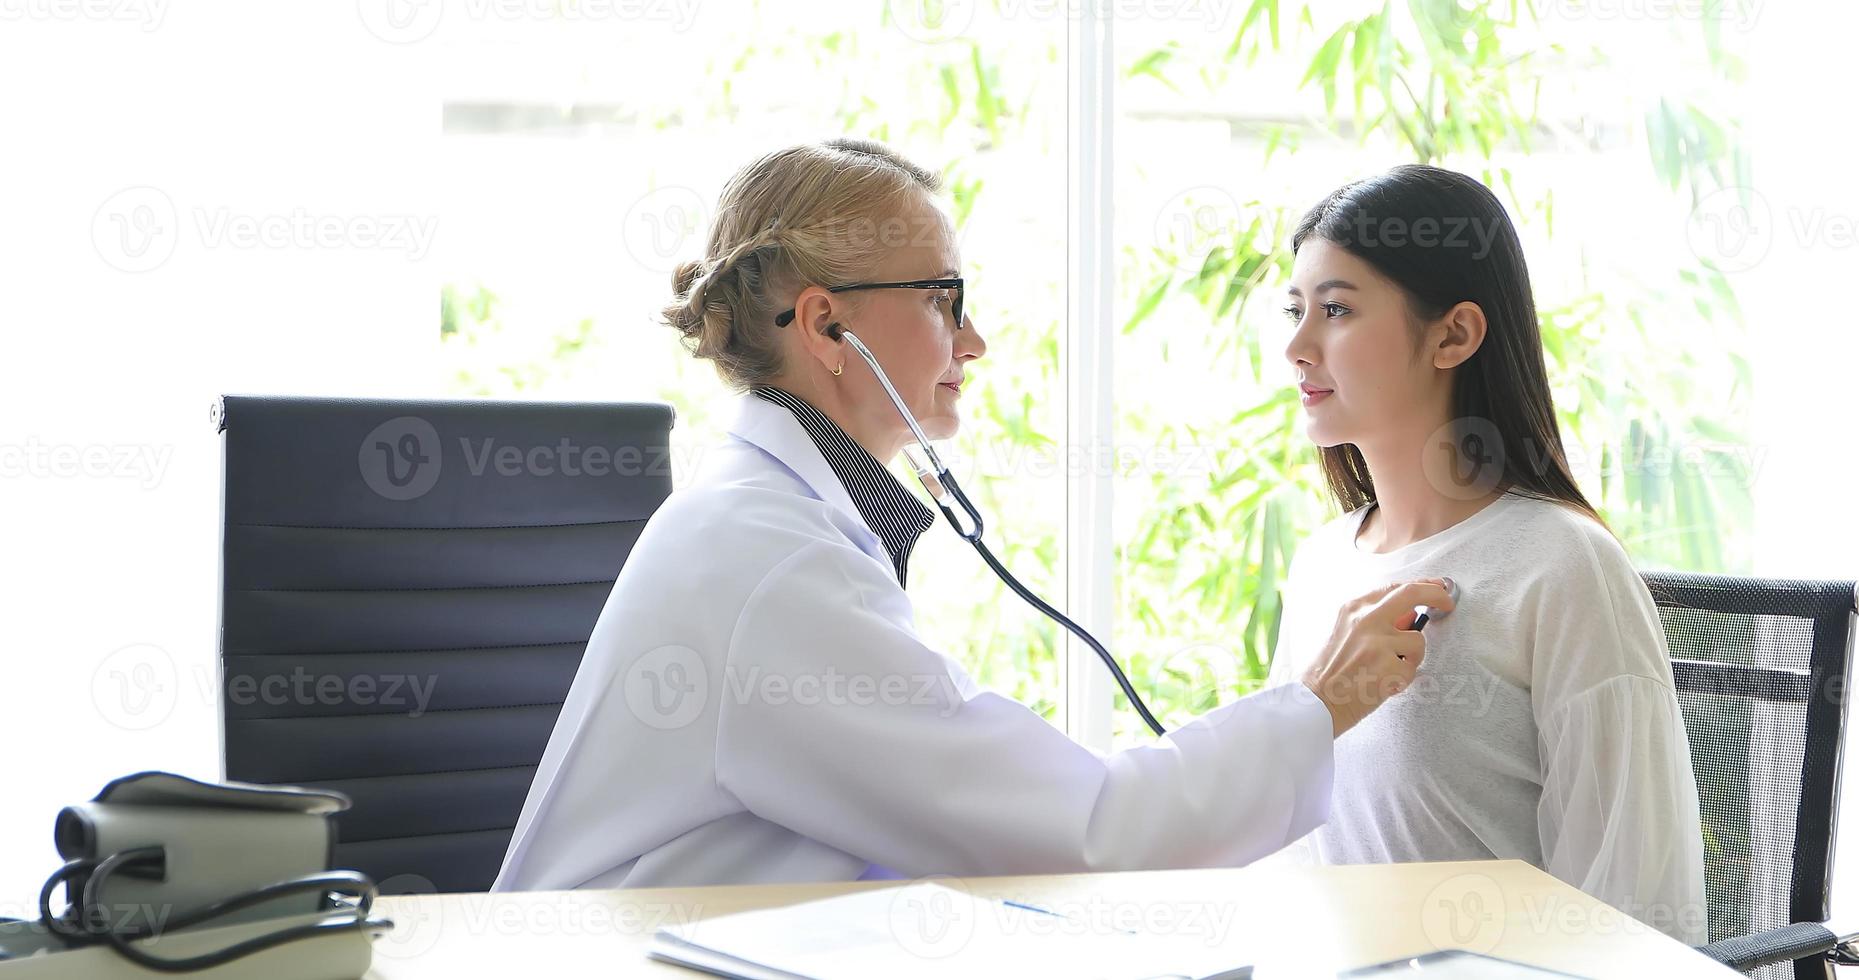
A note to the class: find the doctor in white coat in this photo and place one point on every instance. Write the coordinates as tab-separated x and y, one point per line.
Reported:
755	705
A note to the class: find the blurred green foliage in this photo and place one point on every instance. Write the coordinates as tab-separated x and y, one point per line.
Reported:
1200	579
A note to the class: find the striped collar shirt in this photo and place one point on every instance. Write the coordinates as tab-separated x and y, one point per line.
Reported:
892	512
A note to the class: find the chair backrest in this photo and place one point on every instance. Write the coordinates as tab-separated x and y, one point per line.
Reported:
407	588
1762	668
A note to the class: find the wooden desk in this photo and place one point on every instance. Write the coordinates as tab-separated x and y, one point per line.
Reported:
1289	921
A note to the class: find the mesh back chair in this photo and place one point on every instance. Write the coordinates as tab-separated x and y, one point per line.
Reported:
406	591
1762	670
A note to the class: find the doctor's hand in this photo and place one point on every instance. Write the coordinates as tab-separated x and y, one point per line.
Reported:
1373	650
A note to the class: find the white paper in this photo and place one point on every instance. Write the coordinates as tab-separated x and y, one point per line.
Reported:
927	929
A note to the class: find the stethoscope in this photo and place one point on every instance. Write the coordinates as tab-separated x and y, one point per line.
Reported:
947	494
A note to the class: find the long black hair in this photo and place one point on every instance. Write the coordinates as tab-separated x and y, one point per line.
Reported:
1445	239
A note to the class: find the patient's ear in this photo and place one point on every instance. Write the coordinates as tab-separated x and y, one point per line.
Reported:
1457	335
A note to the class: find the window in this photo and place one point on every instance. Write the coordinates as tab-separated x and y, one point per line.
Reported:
1122	174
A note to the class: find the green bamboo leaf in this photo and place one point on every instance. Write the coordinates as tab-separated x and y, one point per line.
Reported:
1367	37
1267	8
1323	65
1152	65
952	96
987	104
1147	304
1234	288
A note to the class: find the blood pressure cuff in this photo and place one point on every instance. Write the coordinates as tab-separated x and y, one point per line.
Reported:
217	840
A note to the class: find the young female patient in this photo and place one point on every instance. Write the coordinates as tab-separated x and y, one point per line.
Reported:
1542	724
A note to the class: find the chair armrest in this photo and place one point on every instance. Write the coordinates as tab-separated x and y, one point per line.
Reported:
1781	945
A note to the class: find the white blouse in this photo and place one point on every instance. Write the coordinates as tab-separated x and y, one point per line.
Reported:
1543	724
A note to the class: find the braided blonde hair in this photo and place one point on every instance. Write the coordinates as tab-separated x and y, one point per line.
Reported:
802	215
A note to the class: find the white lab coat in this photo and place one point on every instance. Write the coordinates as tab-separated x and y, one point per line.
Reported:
755	706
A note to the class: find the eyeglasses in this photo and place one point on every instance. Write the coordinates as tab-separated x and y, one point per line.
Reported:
954	285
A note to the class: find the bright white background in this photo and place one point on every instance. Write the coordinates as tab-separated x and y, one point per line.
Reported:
237	110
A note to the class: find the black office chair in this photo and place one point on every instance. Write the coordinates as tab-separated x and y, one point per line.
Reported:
1762	668
406	591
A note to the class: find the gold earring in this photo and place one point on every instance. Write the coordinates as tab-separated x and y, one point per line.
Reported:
840	368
